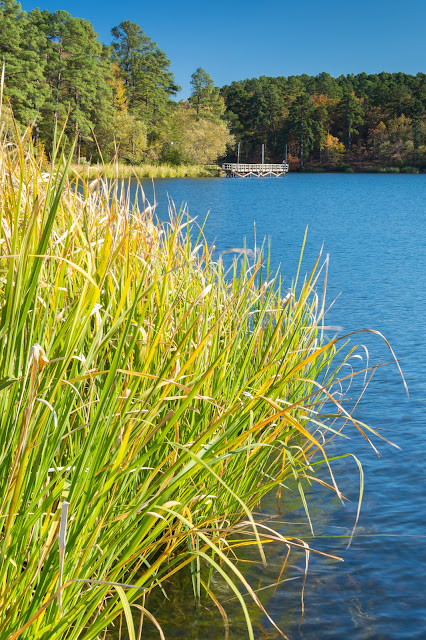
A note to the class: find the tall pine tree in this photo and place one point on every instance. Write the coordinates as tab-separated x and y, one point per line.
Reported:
78	73
146	75
20	42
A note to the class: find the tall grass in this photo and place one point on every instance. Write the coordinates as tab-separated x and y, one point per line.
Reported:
148	401
124	171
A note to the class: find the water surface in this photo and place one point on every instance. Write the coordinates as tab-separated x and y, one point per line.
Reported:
372	226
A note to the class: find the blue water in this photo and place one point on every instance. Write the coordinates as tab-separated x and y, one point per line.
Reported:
373	228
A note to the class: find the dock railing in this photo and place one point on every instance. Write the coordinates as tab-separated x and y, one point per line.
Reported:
234	168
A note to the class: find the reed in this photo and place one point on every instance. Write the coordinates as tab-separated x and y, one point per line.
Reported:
123	171
149	399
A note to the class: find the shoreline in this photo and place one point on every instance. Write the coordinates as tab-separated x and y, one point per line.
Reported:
348	169
123	171
145	171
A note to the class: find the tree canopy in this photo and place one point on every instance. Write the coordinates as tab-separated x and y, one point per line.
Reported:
360	121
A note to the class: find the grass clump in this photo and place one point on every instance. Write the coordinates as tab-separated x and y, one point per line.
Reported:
410	170
124	171
148	400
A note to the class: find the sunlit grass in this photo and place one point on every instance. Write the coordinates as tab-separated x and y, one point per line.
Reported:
120	171
148	398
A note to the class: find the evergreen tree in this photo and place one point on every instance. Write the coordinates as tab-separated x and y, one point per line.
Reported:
201	83
302	124
351	115
78	73
326	85
205	96
145	72
20	41
322	123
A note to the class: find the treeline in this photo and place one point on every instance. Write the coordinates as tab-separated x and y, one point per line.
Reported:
115	101
350	122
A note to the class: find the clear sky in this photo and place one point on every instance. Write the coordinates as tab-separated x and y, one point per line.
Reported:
242	39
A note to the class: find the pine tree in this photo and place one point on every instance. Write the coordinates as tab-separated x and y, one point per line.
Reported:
302	122
202	89
146	75
20	41
78	73
351	115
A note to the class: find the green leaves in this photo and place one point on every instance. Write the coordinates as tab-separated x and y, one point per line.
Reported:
6	382
149	400
127	612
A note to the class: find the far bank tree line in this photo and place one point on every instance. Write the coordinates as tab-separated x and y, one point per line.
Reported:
356	121
117	100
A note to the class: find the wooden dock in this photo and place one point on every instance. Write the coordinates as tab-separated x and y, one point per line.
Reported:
234	169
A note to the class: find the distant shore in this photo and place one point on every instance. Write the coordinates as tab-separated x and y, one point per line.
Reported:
349	169
125	171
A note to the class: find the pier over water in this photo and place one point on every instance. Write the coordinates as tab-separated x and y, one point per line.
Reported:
234	169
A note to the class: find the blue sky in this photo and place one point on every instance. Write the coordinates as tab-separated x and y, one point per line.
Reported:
236	40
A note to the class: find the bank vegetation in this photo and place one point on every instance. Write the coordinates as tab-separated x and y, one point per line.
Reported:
151	393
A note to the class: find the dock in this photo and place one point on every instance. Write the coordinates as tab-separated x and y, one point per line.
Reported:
235	169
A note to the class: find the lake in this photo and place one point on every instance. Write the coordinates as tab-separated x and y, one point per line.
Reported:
372	227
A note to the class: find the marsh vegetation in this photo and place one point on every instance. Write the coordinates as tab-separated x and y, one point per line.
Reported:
150	397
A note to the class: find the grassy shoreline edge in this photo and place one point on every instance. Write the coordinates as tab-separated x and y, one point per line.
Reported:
150	398
124	171
152	171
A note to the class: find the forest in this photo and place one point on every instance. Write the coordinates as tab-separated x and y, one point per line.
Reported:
118	101
353	122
